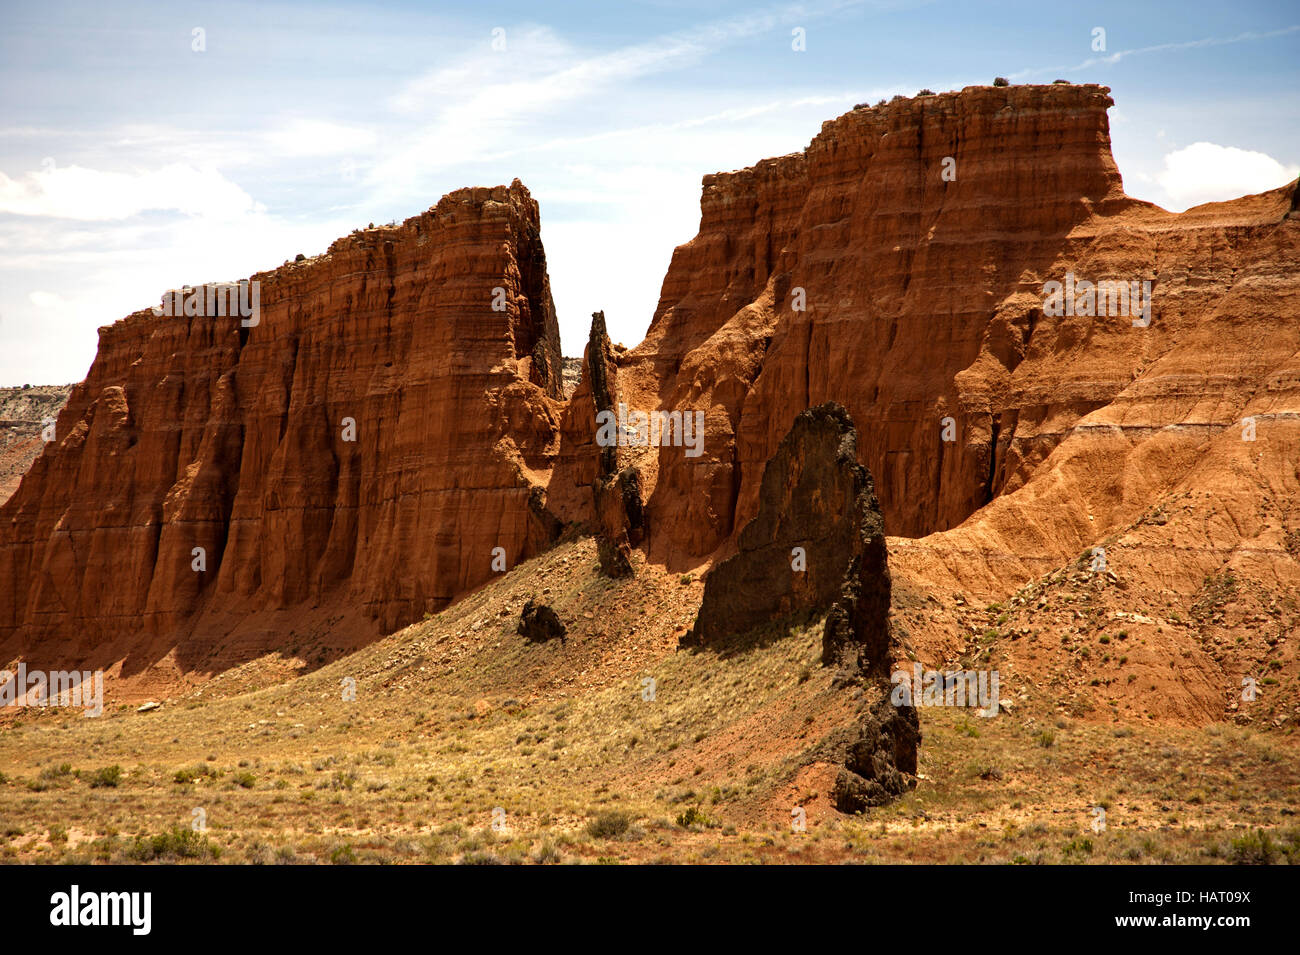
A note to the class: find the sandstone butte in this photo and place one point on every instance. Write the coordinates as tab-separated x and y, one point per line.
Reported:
922	301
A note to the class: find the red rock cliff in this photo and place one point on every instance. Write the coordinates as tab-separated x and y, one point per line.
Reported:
923	300
897	267
195	432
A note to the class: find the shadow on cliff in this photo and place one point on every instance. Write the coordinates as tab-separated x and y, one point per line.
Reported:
305	638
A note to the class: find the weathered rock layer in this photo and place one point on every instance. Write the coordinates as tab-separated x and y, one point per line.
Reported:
897	266
900	266
374	435
24	413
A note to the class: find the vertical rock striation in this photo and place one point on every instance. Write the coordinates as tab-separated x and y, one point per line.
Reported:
854	272
435	341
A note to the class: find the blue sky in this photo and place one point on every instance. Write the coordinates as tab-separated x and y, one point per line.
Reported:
131	163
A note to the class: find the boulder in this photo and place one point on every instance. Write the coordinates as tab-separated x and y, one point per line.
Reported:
538	623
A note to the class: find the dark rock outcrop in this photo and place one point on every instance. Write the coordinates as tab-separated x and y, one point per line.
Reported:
816	543
539	623
616	494
880	763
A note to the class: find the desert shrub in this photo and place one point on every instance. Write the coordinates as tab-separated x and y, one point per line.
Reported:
1254	848
106	776
1077	847
191	774
609	824
548	855
695	816
343	779
176	843
343	855
1000	81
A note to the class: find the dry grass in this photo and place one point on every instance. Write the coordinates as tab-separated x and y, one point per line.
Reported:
459	724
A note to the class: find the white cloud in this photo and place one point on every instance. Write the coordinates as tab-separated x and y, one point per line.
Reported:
46	299
116	268
73	192
609	144
314	137
480	104
1205	172
530	51
1112	58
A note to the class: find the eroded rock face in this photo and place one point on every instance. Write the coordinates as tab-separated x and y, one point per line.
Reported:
615	490
922	300
854	271
616	499
435	340
816	541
